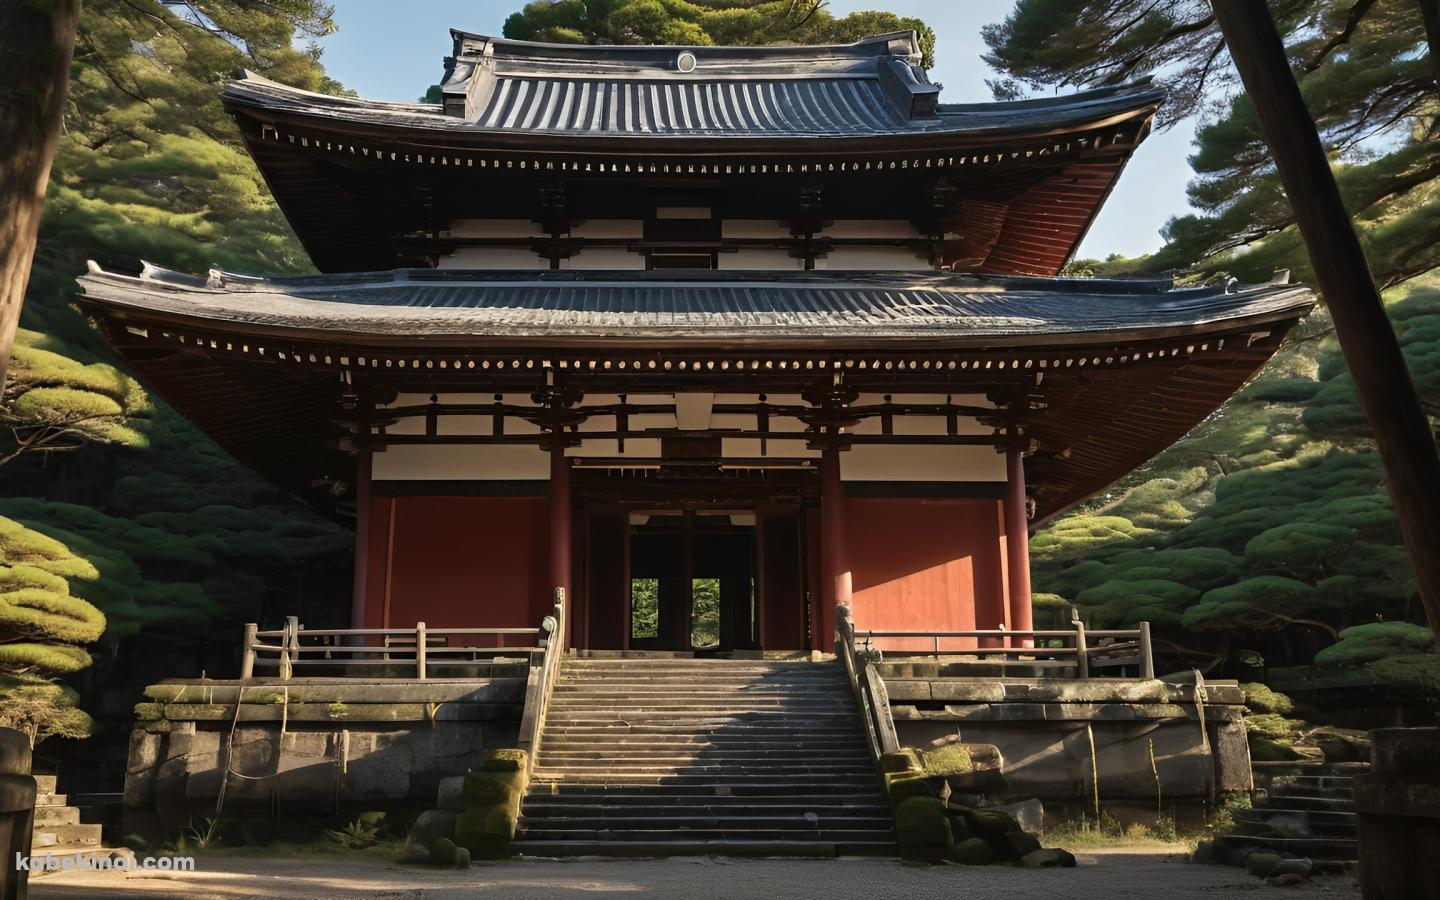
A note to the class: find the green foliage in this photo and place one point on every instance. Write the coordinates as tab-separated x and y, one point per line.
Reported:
1261	699
704	23
1364	73
357	835
117	514
41	708
1374	641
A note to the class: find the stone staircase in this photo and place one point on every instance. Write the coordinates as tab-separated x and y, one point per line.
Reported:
690	756
58	829
1306	815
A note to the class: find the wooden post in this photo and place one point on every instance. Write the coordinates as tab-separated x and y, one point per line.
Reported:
1387	395
835	544
1082	651
247	652
1147	658
560	539
1017	545
361	590
420	648
289	642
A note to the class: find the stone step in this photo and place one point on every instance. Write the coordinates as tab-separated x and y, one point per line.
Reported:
801	704
642	849
645	770
770	790
56	815
758	729
700	818
653	833
1323	782
624	741
85	835
643	805
1289	801
48	799
756	756
1313	847
45	784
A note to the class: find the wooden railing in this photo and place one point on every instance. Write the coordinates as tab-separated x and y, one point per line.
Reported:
393	652
1085	652
540	682
868	686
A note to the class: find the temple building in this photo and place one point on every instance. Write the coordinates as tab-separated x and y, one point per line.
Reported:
715	338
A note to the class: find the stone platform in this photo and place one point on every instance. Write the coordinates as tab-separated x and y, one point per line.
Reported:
309	746
1044	729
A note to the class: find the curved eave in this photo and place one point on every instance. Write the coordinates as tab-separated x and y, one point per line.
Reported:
567	309
958	126
269	394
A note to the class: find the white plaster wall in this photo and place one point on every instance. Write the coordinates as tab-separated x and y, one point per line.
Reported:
609	228
758	258
754	228
933	463
873	258
605	258
494	228
461	463
493	258
870	228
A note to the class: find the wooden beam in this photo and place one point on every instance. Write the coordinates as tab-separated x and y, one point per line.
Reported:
1403	436
835	545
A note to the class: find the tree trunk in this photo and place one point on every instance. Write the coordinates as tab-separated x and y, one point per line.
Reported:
1402	432
1430	11
37	39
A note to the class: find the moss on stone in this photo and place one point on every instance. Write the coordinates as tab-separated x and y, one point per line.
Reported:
503	761
902	786
1013	845
900	761
486	831
149	712
990	824
442	851
164	693
489	788
923	829
1261	699
973	852
1267	750
953	759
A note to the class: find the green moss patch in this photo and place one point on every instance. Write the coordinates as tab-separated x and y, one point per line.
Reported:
950	760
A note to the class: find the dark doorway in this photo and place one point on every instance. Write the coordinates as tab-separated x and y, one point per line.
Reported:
692	581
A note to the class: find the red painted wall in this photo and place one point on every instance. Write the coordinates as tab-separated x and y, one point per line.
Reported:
926	565
458	562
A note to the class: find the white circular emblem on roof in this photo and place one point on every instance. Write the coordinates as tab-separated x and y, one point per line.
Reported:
685	62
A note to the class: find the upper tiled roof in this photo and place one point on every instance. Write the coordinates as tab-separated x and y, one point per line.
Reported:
873	87
700	305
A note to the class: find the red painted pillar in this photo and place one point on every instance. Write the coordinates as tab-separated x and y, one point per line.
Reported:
361	584
1017	544
834	545
560	541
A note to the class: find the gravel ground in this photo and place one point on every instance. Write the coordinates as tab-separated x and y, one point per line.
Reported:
1101	876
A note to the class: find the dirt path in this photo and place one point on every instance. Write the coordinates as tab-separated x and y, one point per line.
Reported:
1100	876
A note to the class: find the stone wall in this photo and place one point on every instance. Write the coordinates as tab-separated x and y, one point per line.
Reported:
1044	728
308	746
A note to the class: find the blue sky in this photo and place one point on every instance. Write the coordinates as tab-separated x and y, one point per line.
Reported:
391	50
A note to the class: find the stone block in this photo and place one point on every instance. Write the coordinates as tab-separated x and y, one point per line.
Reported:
382	775
429	827
1048	859
1028	814
145	750
451	793
973	852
